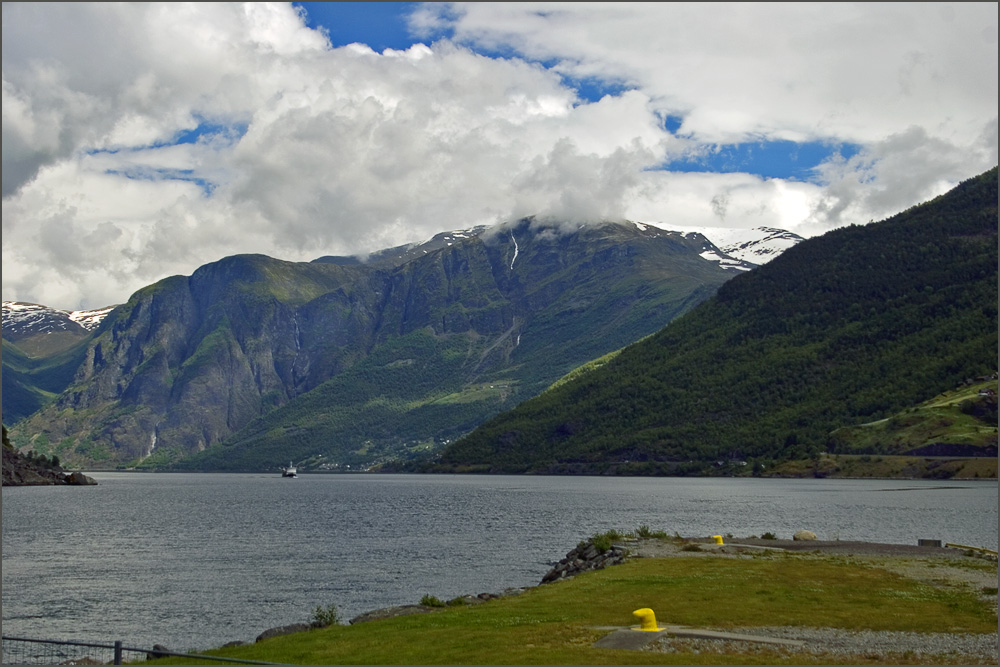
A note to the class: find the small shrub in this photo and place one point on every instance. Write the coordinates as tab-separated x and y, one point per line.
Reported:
325	616
768	536
645	532
457	602
602	542
432	601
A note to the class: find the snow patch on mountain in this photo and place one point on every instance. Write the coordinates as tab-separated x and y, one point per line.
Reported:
757	246
20	318
725	261
90	319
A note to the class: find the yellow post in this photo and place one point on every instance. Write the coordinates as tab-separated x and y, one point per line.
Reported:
717	538
647	619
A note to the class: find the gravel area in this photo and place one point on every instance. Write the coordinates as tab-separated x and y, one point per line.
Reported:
867	644
931	565
736	546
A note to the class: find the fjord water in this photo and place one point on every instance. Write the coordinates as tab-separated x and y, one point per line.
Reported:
196	560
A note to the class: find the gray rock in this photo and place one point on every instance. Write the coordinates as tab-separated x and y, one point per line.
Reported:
584	558
804	535
392	612
159	651
283	630
79	479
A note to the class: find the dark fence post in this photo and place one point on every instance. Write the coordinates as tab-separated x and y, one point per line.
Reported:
118	652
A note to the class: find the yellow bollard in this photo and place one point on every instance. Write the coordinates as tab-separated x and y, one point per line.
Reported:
717	538
647	619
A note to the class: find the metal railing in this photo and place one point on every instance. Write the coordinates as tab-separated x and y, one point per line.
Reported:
26	651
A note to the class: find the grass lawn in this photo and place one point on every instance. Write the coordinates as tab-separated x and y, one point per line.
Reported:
555	623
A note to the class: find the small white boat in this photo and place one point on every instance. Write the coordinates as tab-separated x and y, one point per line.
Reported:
290	471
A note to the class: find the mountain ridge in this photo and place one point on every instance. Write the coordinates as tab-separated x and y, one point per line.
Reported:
188	362
841	328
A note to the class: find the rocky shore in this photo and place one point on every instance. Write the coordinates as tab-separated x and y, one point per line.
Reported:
585	557
21	471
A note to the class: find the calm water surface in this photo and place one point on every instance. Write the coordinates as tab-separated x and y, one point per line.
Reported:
193	561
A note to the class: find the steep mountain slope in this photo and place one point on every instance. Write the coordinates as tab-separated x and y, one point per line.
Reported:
32	382
841	329
351	362
42	347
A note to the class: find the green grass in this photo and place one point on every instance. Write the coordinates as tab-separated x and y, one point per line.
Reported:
885	465
556	623
939	419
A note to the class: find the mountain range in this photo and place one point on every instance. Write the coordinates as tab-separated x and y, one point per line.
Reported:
534	346
351	361
844	329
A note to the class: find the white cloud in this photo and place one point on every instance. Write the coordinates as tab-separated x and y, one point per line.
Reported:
850	71
316	150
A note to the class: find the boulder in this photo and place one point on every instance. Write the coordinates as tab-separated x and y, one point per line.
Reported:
79	479
159	651
283	630
804	535
392	612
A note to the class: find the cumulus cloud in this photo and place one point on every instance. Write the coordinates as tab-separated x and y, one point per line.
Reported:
143	140
915	85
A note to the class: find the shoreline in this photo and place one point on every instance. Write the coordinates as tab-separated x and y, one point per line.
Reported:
695	625
992	480
586	557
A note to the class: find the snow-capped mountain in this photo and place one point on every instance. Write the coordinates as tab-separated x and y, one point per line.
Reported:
736	248
758	245
90	319
21	320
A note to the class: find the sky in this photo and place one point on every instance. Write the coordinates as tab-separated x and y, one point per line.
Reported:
145	140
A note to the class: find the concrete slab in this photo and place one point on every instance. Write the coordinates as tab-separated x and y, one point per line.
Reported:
627	638
695	633
635	639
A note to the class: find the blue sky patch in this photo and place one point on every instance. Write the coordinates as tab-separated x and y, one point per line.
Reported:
206	129
769	159
138	173
380	25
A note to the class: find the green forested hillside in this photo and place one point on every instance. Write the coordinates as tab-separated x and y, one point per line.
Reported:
842	329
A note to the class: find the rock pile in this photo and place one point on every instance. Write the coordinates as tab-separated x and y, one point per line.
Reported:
583	558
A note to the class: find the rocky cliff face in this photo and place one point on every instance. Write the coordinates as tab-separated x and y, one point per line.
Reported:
251	344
